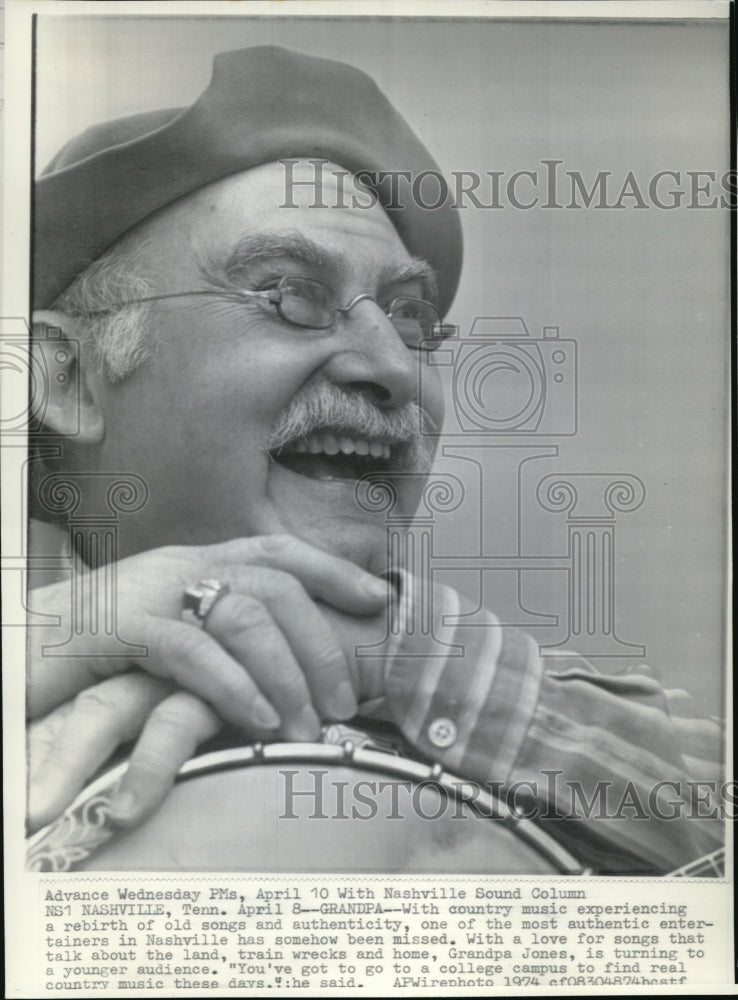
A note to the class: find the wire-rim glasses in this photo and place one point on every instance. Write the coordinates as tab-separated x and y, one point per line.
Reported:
311	304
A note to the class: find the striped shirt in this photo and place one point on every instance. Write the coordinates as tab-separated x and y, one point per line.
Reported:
602	759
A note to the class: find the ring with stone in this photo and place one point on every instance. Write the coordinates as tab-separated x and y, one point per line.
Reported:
199	600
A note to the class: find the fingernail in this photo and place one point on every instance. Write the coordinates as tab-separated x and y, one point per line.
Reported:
305	726
265	716
343	701
374	586
123	806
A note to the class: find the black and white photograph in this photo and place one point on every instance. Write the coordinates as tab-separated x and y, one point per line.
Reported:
365	445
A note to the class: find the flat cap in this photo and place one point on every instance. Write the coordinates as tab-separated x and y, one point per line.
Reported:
263	104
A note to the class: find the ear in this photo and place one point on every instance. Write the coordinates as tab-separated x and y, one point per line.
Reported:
72	407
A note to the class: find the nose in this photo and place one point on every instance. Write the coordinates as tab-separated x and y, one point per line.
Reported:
372	358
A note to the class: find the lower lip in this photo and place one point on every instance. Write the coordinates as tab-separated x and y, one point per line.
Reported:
322	483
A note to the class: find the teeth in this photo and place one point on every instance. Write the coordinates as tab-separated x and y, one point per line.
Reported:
328	443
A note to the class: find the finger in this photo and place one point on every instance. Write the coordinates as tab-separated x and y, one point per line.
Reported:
243	625
680	703
313	642
699	737
173	731
709	772
323	575
92	727
198	663
53	682
42	733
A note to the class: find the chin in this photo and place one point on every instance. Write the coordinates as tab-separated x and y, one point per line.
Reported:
324	512
350	538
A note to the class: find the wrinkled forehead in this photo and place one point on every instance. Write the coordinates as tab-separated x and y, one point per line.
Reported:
317	213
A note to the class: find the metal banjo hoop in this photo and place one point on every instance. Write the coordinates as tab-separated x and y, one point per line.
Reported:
341	805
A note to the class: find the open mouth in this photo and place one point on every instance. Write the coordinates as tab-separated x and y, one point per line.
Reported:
330	455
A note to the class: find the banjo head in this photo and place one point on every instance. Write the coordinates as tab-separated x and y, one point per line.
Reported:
331	807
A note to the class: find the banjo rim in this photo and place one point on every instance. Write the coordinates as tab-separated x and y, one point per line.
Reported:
483	802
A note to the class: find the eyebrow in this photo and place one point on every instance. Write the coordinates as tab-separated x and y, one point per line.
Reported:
253	248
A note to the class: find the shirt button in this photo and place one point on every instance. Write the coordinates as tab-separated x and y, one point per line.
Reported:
442	732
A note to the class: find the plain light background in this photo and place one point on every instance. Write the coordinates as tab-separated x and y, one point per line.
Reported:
645	293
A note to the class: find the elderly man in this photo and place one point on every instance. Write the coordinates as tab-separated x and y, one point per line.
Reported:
245	307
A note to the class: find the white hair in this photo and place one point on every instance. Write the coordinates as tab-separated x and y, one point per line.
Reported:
115	339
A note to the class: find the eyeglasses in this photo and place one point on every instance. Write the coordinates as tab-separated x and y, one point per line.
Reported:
311	304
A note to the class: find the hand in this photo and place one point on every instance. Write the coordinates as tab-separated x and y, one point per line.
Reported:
69	745
268	661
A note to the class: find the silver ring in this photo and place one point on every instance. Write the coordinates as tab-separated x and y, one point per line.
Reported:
199	600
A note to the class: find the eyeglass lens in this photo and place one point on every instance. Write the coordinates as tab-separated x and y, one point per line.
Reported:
308	302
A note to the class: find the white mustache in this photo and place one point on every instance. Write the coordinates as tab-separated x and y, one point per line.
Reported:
323	406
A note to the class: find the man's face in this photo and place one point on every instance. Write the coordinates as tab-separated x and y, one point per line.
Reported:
195	421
